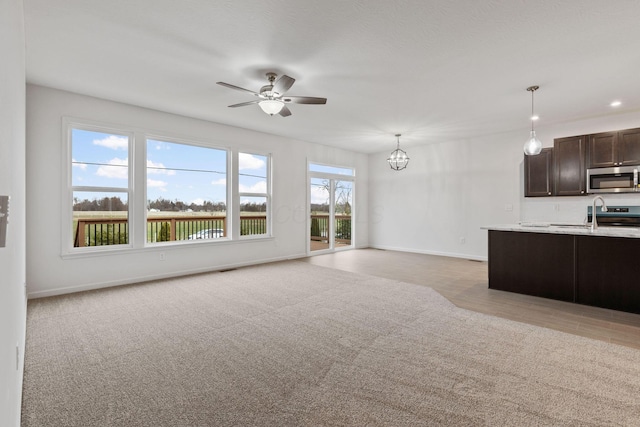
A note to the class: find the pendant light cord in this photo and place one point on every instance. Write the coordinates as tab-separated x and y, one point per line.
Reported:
532	109
532	89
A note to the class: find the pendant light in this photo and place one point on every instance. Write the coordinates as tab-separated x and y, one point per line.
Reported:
533	146
398	159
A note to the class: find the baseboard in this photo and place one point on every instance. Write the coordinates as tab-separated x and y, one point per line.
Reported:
141	279
428	252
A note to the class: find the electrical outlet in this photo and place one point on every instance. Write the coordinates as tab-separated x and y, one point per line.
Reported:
556	207
508	207
463	240
162	258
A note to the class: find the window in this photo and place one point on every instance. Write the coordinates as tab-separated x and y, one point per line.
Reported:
334	170
186	192
254	192
130	190
100	186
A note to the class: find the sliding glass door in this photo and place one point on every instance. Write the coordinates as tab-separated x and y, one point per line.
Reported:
330	208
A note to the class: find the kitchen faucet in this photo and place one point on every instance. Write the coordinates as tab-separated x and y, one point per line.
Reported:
594	221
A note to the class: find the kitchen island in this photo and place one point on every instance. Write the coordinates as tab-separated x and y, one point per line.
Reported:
568	263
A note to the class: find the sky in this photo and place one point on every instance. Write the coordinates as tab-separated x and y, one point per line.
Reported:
188	173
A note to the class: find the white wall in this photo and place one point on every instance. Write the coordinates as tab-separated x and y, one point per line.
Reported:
48	273
12	183
446	193
451	189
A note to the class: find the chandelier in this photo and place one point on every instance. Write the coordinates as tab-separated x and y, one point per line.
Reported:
398	159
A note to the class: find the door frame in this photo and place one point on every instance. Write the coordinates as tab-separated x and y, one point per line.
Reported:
332	177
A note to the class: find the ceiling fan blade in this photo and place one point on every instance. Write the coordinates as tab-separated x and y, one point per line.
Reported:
236	88
283	84
304	100
242	104
285	111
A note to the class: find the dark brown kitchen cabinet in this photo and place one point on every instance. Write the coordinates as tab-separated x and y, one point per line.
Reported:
609	149
607	273
538	174
629	147
602	150
536	264
570	174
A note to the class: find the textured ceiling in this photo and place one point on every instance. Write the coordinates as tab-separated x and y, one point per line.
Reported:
431	70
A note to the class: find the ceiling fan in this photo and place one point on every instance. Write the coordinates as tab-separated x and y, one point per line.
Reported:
271	97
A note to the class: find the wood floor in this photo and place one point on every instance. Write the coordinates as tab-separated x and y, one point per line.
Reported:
464	283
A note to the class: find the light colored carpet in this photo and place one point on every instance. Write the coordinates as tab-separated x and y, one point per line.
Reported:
292	344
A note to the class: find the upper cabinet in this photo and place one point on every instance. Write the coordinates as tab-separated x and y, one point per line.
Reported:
603	151
629	147
538	174
569	156
609	149
562	170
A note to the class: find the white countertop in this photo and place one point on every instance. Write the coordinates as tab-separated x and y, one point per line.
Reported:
582	230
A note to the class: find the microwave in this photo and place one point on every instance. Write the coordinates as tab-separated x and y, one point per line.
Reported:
621	179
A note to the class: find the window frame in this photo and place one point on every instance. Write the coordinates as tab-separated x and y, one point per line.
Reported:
192	142
335	177
239	195
66	228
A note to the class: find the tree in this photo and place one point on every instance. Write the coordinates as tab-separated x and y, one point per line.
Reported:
164	205
164	234
343	196
110	236
315	227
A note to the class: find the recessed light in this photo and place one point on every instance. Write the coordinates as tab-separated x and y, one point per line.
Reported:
616	104
535	117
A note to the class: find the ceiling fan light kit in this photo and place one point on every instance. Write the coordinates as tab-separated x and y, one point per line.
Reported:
533	146
271	106
398	159
271	96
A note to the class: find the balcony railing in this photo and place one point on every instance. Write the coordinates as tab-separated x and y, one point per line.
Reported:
320	228
101	231
115	231
184	228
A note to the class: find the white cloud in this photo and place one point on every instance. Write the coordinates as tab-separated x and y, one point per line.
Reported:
258	187
81	166
117	168
160	185
319	195
249	161
221	181
158	168
114	142
198	201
